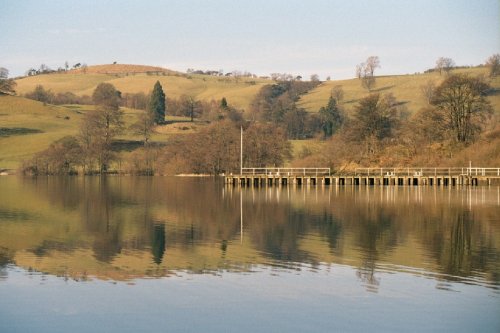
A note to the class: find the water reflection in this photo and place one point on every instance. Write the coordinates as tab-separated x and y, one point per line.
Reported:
127	227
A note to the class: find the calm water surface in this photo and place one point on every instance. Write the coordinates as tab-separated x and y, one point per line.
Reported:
132	254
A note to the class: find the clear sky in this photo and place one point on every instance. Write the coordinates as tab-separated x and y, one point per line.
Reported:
326	37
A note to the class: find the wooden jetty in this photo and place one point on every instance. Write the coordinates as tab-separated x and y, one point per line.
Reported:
467	176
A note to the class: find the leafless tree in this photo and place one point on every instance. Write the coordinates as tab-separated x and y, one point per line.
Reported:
337	93
428	91
103	124
444	64
493	63
372	63
462	101
6	85
315	78
365	71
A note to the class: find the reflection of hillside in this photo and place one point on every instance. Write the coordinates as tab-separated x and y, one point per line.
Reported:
128	227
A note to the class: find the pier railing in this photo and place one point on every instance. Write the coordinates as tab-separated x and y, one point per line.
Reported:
428	172
287	171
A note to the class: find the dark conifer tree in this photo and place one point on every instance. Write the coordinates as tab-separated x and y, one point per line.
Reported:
331	117
157	104
223	103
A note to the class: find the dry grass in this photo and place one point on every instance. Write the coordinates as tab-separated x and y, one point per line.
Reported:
51	122
120	69
406	89
42	125
239	93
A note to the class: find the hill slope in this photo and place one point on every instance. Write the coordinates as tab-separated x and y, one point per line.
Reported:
27	127
406	89
121	69
134	78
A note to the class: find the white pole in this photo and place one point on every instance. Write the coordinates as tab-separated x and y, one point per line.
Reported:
241	150
241	217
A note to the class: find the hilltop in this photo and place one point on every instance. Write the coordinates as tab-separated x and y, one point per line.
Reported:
138	78
239	92
120	69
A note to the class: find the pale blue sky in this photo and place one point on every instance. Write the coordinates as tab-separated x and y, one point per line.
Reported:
327	37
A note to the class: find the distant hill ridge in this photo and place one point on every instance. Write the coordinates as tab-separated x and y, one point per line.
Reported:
121	69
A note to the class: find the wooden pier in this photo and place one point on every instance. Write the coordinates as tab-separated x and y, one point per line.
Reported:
260	177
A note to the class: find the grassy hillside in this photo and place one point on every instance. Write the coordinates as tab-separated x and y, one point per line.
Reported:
27	127
120	69
406	88
133	79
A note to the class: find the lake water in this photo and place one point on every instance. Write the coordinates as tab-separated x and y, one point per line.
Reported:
154	254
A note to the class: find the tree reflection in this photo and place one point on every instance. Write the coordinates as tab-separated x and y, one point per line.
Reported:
114	216
376	236
460	245
6	258
102	220
158	243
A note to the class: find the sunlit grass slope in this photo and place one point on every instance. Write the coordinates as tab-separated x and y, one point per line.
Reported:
27	127
239	93
406	89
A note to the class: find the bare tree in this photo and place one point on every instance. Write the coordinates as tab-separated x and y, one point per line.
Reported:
190	106
444	64
6	85
372	63
144	126
365	71
493	63
375	119
359	70
462	101
428	90
315	78
105	122
4	73
337	93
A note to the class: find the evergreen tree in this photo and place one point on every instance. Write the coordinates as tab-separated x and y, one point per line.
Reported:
157	104
223	103
331	117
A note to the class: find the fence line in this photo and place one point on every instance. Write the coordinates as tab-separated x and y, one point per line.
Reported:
465	171
287	171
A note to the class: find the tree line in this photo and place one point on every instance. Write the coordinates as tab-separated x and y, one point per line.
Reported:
380	130
214	149
457	114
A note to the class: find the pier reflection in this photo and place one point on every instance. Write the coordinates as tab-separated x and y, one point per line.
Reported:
131	227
